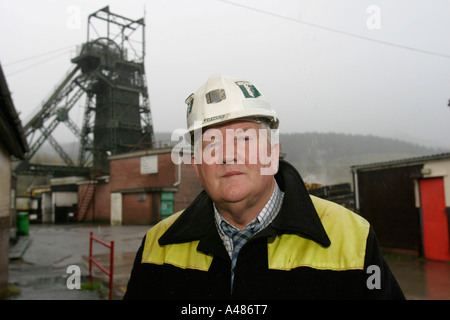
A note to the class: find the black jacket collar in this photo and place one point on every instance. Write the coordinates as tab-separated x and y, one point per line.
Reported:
297	215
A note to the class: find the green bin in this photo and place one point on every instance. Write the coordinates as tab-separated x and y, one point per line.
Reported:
23	223
166	204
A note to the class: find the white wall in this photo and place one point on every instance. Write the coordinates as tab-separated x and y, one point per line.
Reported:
65	198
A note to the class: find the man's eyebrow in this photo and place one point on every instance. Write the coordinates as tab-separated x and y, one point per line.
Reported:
245	128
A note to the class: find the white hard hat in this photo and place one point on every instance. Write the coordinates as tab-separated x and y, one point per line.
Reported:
223	99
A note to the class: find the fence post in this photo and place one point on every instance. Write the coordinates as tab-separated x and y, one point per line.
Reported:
110	273
90	258
111	270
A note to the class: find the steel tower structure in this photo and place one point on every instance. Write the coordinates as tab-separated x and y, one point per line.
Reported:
109	72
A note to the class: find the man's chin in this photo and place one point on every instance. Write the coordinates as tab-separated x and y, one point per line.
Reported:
234	194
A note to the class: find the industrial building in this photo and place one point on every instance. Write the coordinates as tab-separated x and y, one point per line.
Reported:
408	204
12	144
142	188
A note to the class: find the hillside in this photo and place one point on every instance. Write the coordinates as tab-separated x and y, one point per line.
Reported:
319	157
327	157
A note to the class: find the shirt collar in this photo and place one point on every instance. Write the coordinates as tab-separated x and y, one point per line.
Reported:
297	215
264	218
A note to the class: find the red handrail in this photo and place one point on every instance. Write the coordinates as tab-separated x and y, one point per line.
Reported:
109	272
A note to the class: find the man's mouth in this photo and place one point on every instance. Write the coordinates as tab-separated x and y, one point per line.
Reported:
232	174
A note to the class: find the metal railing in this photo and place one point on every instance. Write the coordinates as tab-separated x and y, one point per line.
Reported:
109	272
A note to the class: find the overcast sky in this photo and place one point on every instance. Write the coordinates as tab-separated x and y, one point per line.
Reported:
353	66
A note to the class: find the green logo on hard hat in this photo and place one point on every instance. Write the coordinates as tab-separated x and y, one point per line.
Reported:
189	101
248	89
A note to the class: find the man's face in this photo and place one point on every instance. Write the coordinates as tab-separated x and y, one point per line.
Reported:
238	163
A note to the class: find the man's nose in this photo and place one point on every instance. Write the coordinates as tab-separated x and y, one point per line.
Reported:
229	152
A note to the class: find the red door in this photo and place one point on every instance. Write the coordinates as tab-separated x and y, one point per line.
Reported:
434	219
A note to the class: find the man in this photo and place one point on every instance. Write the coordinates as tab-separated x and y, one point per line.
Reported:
254	232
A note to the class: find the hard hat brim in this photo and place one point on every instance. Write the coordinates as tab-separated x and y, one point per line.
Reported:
236	116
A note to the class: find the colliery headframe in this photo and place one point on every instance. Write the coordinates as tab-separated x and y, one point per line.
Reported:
109	74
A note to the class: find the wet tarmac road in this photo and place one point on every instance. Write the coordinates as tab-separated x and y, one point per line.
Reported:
41	273
421	279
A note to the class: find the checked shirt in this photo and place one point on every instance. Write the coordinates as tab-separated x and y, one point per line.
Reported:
234	239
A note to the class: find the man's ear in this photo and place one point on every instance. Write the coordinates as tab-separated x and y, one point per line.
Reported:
274	161
197	171
195	165
275	156
275	152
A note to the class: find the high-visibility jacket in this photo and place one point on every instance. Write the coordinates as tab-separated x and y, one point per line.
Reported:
314	249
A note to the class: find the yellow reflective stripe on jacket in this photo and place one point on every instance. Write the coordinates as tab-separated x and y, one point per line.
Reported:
181	255
348	234
347	231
